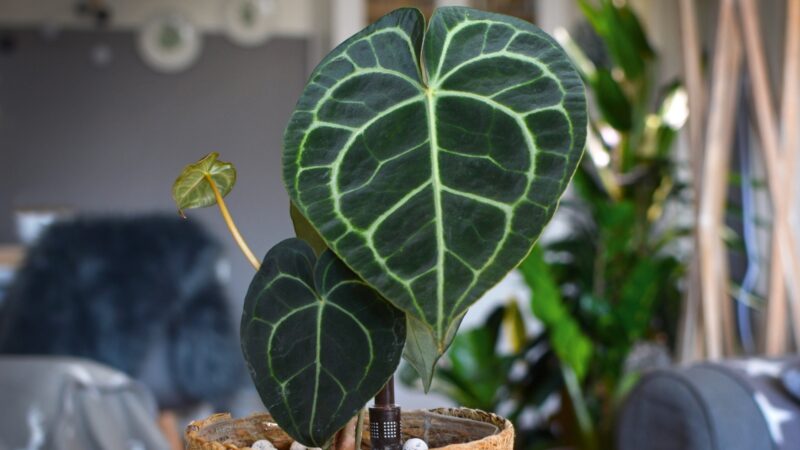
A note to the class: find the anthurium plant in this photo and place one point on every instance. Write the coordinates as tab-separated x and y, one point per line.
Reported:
422	164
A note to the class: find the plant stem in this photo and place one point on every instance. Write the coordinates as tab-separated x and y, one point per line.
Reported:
384	420
223	209
359	428
579	406
385	397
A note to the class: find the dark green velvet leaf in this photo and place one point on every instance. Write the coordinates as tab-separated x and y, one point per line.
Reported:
319	342
431	168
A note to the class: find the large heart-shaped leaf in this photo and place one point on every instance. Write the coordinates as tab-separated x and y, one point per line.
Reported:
431	167
319	342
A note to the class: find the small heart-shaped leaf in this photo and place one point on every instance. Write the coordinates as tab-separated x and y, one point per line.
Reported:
192	188
319	342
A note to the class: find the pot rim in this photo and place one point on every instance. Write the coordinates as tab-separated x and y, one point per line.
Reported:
503	439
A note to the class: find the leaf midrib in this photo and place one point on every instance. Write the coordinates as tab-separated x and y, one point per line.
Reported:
318	365
436	184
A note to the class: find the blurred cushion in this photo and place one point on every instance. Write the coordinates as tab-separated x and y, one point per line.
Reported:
59	403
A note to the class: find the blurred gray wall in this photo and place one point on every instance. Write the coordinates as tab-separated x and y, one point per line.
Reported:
106	139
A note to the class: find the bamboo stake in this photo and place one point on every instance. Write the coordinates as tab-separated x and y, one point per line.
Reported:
785	259
791	137
700	347
725	81
688	335
776	310
695	89
775	327
729	339
689	326
757	67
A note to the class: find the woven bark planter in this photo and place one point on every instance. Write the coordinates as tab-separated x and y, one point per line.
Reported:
444	428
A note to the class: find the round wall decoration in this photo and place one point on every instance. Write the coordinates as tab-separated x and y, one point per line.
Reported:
169	43
249	22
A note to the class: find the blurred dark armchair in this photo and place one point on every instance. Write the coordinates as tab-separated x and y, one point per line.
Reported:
140	295
740	404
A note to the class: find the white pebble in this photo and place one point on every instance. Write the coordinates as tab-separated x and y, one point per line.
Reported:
298	446
263	444
415	444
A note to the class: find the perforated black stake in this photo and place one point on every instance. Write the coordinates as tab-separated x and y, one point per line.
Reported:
384	420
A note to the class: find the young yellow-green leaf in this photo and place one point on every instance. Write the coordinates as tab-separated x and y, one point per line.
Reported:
192	188
515	324
430	160
305	231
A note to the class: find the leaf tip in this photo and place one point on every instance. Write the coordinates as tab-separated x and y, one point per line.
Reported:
427	381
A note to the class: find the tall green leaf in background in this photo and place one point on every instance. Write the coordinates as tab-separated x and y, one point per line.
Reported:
430	160
622	35
318	341
611	100
617	268
569	343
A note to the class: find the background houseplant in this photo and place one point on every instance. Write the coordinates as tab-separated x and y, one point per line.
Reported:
609	283
422	165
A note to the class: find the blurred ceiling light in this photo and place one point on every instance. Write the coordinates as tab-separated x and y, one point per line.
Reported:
675	110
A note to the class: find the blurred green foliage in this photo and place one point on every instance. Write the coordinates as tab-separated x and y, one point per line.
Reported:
613	280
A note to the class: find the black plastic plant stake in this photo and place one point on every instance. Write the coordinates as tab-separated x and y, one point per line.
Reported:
384	420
